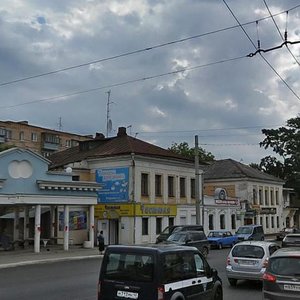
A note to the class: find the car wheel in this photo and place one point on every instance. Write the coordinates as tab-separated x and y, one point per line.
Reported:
205	252
218	295
220	246
232	281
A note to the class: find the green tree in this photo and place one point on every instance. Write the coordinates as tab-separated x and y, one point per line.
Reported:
185	150
285	142
5	147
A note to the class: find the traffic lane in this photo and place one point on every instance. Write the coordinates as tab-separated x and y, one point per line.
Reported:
64	281
245	289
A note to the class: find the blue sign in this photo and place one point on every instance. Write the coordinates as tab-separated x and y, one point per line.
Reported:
114	183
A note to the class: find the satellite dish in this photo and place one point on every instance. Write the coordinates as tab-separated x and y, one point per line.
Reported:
69	170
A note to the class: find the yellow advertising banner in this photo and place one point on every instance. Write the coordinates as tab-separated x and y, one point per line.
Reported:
114	211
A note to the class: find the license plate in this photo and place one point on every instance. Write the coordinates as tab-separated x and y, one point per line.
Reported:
127	295
248	262
290	287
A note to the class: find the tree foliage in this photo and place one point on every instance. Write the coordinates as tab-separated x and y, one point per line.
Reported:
5	147
185	150
285	142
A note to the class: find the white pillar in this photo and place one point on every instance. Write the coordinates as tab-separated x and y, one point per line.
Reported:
53	218
37	228
92	225
66	227
26	222
16	224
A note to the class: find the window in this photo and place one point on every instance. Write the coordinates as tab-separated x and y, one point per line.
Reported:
75	178
261	220
267	222
68	143
21	135
260	195
34	136
222	221
171	186
211	222
145	226
193	190
266	197
272	222
158	225
276	198
254	193
8	134
277	221
233	222
145	184
158	185
182	187
272	197
2	132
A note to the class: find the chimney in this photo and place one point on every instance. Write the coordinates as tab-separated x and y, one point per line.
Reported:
99	136
121	131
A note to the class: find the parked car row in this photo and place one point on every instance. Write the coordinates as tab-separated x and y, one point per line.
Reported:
177	269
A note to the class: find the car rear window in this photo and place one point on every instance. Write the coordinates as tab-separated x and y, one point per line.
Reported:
289	238
129	267
244	230
284	266
250	251
177	237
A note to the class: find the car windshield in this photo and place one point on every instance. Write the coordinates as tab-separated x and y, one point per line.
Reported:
292	238
129	267
249	251
177	237
215	234
244	230
285	266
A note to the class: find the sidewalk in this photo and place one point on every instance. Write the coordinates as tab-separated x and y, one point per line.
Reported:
49	254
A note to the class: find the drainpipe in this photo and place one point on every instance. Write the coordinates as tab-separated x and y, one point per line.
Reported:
133	194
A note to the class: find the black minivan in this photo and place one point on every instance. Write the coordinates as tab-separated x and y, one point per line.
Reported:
175	228
157	272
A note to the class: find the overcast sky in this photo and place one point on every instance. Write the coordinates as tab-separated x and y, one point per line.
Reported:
225	103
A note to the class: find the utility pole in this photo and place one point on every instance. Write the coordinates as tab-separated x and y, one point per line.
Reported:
197	183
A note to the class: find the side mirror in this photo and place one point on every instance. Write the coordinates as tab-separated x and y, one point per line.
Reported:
212	272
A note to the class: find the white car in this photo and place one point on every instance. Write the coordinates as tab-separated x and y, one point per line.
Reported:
248	260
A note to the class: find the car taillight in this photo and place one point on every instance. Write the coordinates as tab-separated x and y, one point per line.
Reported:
160	293
269	277
228	261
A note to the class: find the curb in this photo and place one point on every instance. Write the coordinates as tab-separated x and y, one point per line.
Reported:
48	260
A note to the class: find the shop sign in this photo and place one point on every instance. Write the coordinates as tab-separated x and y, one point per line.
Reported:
114	182
156	210
112	211
268	211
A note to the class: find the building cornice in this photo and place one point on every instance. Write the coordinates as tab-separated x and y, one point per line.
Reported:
84	186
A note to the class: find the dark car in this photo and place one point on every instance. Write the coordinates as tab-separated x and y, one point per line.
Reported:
282	277
291	240
280	236
175	228
157	272
196	239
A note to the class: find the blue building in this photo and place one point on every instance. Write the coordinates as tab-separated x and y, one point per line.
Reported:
38	205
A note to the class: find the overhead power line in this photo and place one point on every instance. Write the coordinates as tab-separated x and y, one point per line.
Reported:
137	51
283	38
124	82
266	61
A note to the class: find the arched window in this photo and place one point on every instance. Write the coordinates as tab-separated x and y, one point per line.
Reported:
233	223
222	221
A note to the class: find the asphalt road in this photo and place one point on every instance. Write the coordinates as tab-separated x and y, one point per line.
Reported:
77	280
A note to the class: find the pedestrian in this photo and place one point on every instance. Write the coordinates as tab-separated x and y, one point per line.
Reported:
101	242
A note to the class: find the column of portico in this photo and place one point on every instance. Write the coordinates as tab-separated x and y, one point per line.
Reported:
92	225
37	228
66	227
16	224
26	222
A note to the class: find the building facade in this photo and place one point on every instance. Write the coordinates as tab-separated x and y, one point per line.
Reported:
41	140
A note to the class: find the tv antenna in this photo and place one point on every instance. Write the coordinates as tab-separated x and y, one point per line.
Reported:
108	120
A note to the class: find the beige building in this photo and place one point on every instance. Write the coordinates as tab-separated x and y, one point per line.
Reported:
38	139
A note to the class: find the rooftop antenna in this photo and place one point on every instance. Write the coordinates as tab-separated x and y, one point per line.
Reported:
108	120
130	127
60	127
